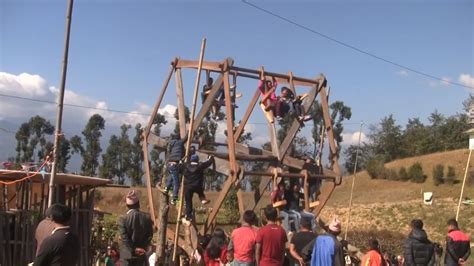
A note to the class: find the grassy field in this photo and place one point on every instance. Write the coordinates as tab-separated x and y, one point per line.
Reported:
379	206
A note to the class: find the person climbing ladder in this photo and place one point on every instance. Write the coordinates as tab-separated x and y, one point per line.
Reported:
193	173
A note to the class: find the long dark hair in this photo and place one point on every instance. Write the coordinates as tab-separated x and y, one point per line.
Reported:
218	240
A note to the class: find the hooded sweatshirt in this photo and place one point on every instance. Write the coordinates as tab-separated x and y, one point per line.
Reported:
194	173
419	251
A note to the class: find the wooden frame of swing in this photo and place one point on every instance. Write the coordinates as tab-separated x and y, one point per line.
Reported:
277	157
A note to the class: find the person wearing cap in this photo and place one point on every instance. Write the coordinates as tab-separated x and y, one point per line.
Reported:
193	173
61	247
136	232
326	249
458	247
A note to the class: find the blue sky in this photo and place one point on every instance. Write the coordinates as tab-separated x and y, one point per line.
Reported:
120	50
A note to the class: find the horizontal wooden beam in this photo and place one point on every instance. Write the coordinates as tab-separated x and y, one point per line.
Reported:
214	66
288	175
289	161
206	65
242	157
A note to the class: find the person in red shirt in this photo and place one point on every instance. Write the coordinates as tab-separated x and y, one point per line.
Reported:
216	251
271	240
373	257
243	241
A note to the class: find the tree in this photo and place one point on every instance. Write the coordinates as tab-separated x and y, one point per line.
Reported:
403	174
109	167
438	174
90	153
376	168
135	171
124	155
386	139
451	175
365	153
415	138
64	154
31	138
415	172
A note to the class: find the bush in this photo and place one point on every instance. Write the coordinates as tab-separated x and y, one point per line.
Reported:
416	173
403	174
375	168
391	174
438	174
451	175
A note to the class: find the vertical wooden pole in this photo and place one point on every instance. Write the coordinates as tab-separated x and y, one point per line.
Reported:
181	104
353	183
463	183
148	180
230	122
59	116
306	190
188	146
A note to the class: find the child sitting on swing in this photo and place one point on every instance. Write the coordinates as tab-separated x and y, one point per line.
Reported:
288	103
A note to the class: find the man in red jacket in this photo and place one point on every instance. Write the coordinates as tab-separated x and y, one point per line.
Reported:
458	247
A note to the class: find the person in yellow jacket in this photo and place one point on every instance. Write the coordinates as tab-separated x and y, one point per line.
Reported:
373	257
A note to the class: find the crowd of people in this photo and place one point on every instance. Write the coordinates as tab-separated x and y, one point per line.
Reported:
247	245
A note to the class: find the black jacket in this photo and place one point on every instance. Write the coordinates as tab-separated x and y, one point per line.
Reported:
136	231
419	251
194	173
59	249
457	246
176	150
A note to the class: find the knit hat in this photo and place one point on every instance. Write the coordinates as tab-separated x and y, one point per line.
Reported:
132	197
194	158
335	225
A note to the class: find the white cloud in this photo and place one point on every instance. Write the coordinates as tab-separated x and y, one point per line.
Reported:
466	80
445	81
352	138
36	87
402	73
24	85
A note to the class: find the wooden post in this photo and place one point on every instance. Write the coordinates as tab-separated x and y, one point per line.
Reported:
353	183
163	200
306	190
59	117
181	105
463	183
230	122
188	147
148	179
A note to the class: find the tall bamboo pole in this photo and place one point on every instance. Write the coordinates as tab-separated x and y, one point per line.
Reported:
188	147
59	115
463	183
353	182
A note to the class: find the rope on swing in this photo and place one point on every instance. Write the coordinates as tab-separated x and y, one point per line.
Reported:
353	181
